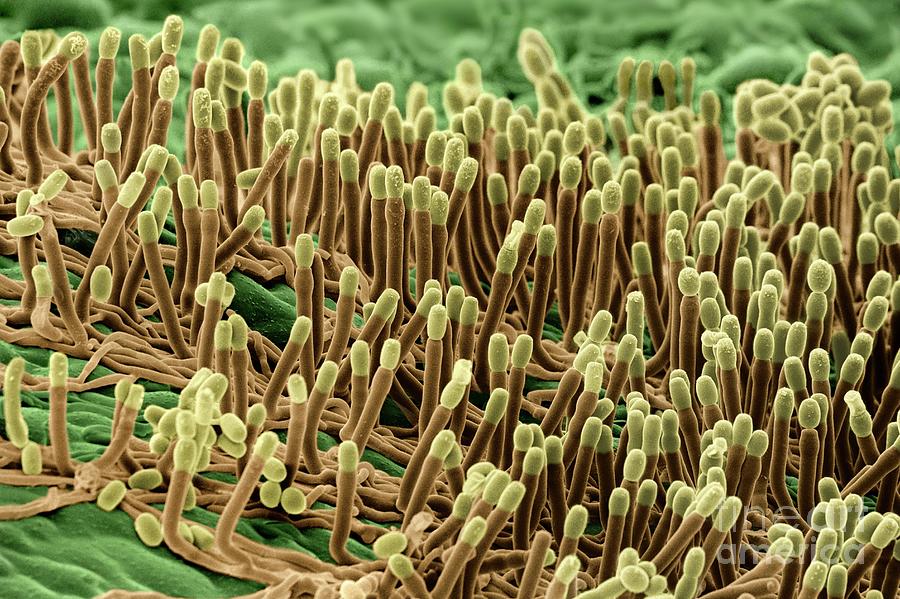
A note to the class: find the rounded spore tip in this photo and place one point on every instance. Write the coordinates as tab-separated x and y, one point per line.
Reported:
110	40
391	543
435	147
393	182
473	531
234	76
568	569
53	184
437	322
497	191
348	456
148	529
202	108
265	444
875	313
390	354
382	99
232	49
25	225
326	377
168	83
430	298
330	145
111	138
172	32
101	283
257	80
139	52
887	228
30	49
72	45
207	43
743	109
